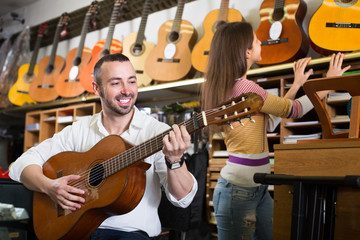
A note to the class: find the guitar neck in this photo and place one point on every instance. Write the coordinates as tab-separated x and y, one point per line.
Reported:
178	16
149	147
140	35
34	56
112	24
279	4
223	12
54	46
84	31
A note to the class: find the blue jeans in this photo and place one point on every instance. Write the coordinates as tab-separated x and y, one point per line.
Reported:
243	213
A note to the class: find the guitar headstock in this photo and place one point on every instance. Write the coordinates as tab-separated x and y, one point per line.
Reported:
64	19
42	29
93	7
243	106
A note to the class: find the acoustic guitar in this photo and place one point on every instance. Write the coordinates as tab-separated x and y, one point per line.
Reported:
280	31
42	88
170	60
102	48
19	92
200	53
14	59
113	175
138	50
68	84
335	26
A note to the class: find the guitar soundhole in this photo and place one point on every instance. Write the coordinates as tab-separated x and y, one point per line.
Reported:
77	61
278	14
173	36
345	3
49	69
96	175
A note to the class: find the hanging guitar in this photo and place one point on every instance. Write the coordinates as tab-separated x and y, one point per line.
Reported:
170	60
102	48
200	53
19	92
42	88
112	172
68	84
335	26
137	49
280	31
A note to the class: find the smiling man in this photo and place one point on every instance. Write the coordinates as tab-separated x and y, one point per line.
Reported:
116	85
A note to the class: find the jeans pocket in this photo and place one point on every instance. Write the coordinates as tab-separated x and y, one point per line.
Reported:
243	194
216	198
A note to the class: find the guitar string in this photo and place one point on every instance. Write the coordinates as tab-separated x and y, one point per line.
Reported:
124	157
122	160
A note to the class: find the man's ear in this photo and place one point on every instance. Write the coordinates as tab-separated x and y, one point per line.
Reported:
96	88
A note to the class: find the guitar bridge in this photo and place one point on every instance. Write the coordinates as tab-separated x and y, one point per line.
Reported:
343	25
272	42
168	60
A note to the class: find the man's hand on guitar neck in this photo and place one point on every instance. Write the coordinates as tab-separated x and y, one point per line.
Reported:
58	189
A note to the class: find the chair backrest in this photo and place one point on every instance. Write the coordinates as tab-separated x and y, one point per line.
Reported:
349	83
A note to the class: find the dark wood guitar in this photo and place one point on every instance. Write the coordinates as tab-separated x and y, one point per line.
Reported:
19	92
170	60
42	88
138	50
113	175
200	53
335	27
280	31
102	48
68	84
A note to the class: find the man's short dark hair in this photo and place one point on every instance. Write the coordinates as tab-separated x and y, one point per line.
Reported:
116	57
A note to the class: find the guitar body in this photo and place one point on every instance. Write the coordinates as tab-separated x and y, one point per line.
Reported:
292	43
115	195
72	88
200	53
19	92
42	89
178	67
324	32
87	74
138	59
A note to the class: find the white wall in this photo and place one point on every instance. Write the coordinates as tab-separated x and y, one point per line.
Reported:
195	12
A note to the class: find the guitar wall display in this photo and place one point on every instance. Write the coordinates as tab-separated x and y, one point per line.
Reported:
68	85
138	50
112	172
170	60
42	89
19	92
102	48
200	53
280	31
335	26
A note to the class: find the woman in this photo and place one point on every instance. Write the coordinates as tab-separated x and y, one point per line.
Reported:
244	209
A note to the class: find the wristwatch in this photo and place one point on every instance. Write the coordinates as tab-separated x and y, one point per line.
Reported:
174	165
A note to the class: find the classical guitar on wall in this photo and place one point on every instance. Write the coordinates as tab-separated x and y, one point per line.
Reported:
335	26
42	88
170	60
200	53
113	174
68	84
19	92
102	48
137	49
280	31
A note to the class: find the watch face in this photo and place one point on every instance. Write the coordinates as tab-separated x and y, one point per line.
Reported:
175	165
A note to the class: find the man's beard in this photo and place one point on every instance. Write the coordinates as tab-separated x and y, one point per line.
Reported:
115	108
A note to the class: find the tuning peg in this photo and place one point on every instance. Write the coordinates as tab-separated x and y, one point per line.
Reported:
241	123
251	120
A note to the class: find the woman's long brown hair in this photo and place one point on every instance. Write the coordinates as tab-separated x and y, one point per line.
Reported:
227	62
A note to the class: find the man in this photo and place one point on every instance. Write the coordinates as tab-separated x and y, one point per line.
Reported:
115	84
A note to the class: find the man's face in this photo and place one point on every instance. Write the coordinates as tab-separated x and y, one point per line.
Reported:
119	87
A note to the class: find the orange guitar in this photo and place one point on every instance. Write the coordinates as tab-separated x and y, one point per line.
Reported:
68	84
170	60
335	26
19	92
137	49
102	48
280	31
200	53
42	89
113	175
